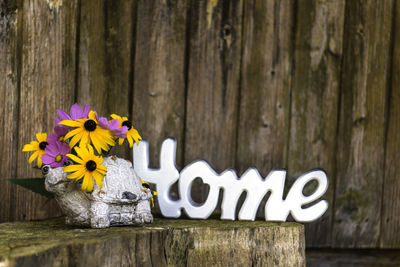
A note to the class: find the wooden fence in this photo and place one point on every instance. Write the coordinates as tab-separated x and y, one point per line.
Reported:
264	83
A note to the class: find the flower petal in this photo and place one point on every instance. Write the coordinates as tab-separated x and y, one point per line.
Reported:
56	164
92	115
75	158
75	111
32	146
76	139
64	149
33	157
71	123
63	115
121	141
51	149
78	174
40	137
39	161
73	168
85	111
47	159
98	177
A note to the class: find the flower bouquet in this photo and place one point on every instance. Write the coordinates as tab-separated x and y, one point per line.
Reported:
91	190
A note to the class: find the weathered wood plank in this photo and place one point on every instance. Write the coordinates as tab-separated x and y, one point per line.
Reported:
47	84
159	73
213	84
390	219
360	155
265	86
9	80
105	58
314	102
164	243
350	257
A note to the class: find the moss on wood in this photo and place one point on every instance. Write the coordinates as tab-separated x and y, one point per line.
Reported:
164	243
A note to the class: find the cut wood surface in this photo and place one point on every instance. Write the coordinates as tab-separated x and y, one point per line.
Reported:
315	95
164	243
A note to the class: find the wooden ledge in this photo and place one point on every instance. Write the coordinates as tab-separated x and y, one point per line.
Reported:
164	243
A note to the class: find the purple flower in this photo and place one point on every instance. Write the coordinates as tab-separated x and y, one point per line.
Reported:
75	111
56	154
113	126
58	135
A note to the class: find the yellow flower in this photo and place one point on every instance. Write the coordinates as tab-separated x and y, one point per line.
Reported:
88	131
88	166
154	193
132	134
37	146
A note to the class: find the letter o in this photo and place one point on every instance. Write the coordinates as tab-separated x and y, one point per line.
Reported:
199	169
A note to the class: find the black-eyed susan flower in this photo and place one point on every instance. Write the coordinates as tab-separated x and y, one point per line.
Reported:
39	147
87	131
131	135
87	166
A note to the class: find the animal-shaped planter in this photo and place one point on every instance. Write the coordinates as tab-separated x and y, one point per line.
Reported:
121	201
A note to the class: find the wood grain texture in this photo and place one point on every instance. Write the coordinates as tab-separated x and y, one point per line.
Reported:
315	95
159	73
361	139
390	219
213	84
47	84
263	122
159	76
105	59
265	85
164	243
10	25
352	257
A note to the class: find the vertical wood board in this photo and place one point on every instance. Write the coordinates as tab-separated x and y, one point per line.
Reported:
314	102
213	85
105	59
265	85
9	80
263	122
360	155
159	73
390	219
47	84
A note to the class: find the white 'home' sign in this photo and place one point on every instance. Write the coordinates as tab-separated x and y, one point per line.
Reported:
276	208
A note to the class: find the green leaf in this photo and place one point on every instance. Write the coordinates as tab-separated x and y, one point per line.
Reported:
34	184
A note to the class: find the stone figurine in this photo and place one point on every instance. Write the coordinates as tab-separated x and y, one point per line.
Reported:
121	201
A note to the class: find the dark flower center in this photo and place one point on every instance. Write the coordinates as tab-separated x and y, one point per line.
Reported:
43	145
127	124
91	165
90	125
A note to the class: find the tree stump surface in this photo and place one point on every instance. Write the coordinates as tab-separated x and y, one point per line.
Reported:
166	242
